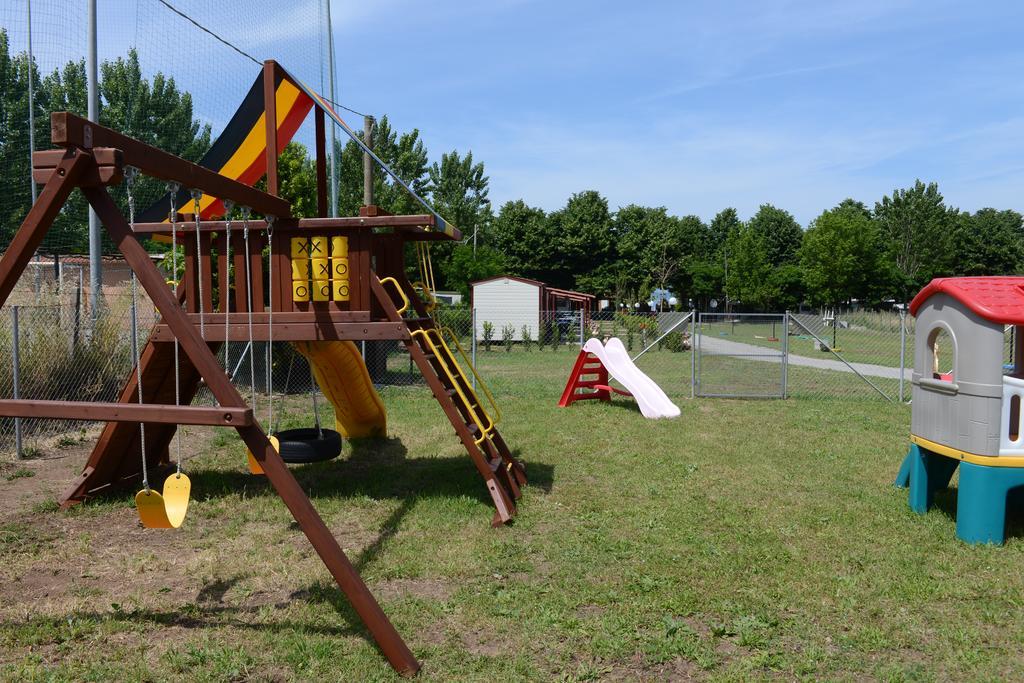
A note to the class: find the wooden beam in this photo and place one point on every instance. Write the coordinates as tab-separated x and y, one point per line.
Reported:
69	130
127	412
40	217
326	546
108	169
416	221
308	331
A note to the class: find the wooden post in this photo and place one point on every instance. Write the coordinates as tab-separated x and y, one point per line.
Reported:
321	165
270	108
367	162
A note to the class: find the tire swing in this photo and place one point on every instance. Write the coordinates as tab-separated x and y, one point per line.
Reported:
304	445
295	446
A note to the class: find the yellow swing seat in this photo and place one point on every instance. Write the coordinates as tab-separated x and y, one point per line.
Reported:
166	510
254	465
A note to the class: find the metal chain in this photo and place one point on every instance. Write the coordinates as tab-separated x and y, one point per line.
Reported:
270	325
226	285
248	299
130	172
173	188
196	196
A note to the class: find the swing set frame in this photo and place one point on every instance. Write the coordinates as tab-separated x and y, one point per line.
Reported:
93	158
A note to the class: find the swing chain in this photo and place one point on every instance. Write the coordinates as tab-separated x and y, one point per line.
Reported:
130	173
196	196
228	208
270	324
173	188
248	298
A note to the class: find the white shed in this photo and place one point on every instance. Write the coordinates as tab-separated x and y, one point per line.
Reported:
518	301
508	300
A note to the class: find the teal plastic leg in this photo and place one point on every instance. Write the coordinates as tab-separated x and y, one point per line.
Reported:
981	502
929	473
903	476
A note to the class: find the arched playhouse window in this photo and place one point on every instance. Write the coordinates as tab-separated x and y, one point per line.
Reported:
942	350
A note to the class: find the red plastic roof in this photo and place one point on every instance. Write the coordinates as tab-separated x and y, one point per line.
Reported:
998	299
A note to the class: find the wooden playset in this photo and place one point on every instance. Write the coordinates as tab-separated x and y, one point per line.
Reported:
328	282
968	384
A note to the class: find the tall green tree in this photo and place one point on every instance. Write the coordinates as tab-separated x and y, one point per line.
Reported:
522	234
583	243
404	153
916	226
780	234
989	242
840	255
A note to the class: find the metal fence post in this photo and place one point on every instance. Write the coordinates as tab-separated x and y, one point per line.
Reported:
16	378
903	348
694	350
472	341
785	354
581	328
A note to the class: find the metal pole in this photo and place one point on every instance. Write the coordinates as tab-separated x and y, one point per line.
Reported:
334	98
16	377
903	348
472	342
694	350
581	327
31	105
785	353
95	245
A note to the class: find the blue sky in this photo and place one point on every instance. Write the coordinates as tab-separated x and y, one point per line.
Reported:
692	106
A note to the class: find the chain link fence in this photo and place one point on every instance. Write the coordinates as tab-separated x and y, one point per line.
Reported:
64	354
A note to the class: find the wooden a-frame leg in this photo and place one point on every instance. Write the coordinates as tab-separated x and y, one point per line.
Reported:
39	219
295	499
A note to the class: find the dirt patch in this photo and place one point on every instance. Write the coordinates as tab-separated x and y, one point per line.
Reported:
50	476
483	644
589	611
425	589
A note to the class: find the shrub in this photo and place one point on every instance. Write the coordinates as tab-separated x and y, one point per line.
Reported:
526	337
488	335
673	342
508	335
556	338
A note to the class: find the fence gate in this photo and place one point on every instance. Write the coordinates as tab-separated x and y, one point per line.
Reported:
740	355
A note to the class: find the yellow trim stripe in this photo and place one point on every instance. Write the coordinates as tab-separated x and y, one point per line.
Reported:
974	459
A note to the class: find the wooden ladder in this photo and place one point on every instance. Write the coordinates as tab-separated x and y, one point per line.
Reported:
503	474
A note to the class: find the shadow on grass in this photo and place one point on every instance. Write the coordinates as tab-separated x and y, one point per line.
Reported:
946	499
377	468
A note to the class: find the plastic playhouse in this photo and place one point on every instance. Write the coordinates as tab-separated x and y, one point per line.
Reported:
967	401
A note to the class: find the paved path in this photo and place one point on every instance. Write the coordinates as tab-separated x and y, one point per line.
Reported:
718	345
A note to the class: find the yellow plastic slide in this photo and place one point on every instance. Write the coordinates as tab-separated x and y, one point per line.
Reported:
341	373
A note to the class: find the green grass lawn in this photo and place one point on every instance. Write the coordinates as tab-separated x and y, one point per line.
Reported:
744	540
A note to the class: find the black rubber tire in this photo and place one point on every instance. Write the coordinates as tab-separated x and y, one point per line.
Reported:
301	446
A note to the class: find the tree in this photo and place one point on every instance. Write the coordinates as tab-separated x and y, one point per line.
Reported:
748	270
916	227
840	255
521	234
464	267
297	180
458	188
404	153
582	242
990	242
780	234
725	222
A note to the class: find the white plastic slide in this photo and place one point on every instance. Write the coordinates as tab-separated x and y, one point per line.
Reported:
652	400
